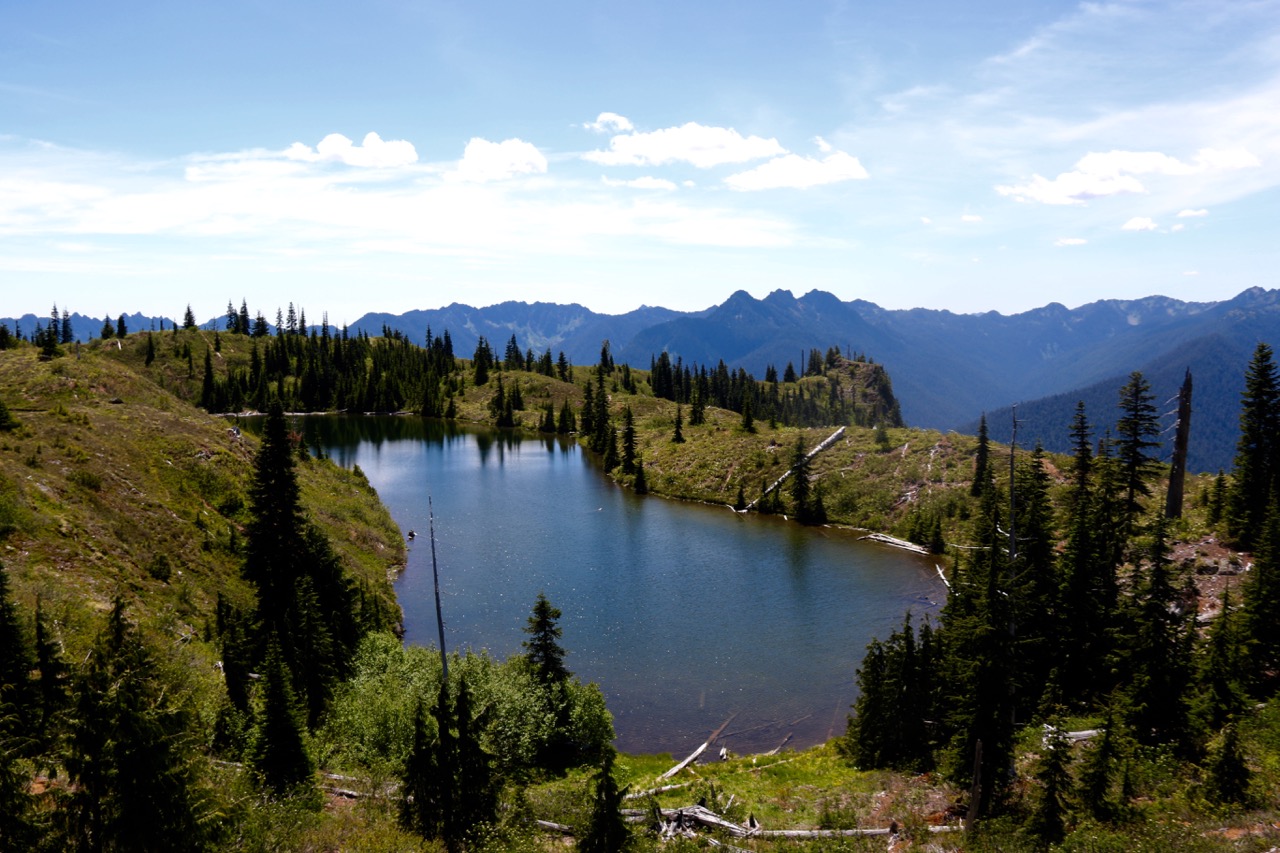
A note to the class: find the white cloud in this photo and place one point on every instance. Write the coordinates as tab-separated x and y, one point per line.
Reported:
1183	214
1178	227
823	145
610	123
1192	272
1139	223
373	152
1097	175
693	143
795	172
924	220
484	161
970	217
646	183
1070	241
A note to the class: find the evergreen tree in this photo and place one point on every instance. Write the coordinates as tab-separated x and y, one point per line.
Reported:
981	460
122	329
130	756
565	423
53	688
1222	671
7	420
1262	608
66	334
17	695
678	436
426	787
610	458
740	503
800	482
476	800
151	349
748	422
189	318
108	329
543	649
279	754
1097	772
1228	778
208	387
1136	431
607	832
1254	478
628	442
1049	818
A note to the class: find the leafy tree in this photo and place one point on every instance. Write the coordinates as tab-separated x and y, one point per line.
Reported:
1254	479
130	752
543	648
607	832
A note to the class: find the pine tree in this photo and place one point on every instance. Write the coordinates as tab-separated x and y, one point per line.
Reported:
1097	772
542	649
1261	615
189	318
426	787
1228	778
151	349
129	755
748	422
1049	818
279	754
641	485
1221	675
122	329
678	436
476	800
565	423
108	329
1254	478
53	688
800	482
7	420
981	460
1136	431
607	832
628	442
17	694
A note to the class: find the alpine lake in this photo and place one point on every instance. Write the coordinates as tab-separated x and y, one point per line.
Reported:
686	615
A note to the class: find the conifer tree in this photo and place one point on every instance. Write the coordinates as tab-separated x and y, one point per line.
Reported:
543	649
426	787
1097	772
17	696
678	435
981	460
641	485
1222	672
565	423
800	486
122	329
108	329
189	318
1049	818
53	688
628	442
7	420
1261	615
748	421
279	753
607	832
1136	431
1229	775
610	459
1257	451
476	800
129	755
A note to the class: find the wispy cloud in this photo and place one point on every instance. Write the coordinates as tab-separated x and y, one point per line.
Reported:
692	143
795	172
1139	223
1097	175
1183	214
648	182
1069	241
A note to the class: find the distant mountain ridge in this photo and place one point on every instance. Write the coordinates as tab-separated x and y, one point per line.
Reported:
946	368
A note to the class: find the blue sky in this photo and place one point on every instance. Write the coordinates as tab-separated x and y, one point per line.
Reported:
398	155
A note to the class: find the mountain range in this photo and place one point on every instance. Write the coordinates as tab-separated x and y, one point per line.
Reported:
946	368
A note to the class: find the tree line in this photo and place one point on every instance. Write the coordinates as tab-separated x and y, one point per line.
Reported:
1083	611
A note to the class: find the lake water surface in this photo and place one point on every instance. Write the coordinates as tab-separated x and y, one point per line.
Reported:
684	614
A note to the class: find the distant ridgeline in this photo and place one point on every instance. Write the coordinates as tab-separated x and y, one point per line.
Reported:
326	369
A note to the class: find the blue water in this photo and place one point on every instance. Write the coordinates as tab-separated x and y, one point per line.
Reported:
684	614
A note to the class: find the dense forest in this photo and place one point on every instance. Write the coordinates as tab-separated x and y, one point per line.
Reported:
1074	674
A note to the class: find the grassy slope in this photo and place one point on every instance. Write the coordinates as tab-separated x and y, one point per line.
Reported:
110	473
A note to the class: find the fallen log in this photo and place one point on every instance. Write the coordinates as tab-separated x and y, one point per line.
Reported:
694	757
554	827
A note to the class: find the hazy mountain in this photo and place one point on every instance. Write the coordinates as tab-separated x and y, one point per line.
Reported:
946	368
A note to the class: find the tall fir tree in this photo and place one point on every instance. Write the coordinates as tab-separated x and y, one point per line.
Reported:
607	831
542	649
1136	434
1261	616
279	754
981	460
1253	487
628	441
